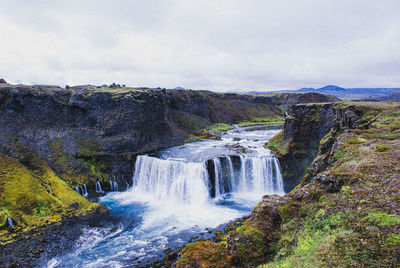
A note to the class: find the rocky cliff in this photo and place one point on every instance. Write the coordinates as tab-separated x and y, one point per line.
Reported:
297	146
345	211
59	139
87	133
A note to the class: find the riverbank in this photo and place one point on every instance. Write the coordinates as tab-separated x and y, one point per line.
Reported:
345	211
35	247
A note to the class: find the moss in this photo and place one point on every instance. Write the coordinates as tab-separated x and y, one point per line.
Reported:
275	140
354	225
277	145
339	155
325	137
282	109
392	240
252	248
262	121
382	148
220	127
204	254
289	211
357	141
382	218
3	219
213	130
32	197
387	136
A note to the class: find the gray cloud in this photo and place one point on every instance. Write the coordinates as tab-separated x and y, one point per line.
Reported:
222	45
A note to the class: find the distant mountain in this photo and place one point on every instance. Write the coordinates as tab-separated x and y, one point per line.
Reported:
395	96
347	93
329	88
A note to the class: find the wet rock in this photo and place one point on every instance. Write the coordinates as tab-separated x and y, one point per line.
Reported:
237	148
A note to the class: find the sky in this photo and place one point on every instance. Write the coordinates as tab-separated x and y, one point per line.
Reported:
221	45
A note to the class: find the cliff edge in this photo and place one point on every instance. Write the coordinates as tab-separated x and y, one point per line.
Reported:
344	213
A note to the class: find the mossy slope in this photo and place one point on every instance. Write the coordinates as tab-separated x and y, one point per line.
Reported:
35	195
346	211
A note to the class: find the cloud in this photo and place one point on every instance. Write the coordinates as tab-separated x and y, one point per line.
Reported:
221	45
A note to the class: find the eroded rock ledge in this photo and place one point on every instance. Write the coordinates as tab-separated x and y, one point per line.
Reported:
85	133
344	212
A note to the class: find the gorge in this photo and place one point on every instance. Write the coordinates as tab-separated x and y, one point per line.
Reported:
186	163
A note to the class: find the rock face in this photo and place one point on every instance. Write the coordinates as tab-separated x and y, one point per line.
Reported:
87	133
344	213
305	126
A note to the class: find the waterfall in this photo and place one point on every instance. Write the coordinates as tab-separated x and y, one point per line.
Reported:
229	178
190	182
85	193
217	177
115	184
231	172
111	185
279	182
242	186
77	189
171	180
260	174
82	191
98	187
10	222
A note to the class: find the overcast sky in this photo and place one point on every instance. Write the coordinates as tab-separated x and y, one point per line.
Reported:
215	44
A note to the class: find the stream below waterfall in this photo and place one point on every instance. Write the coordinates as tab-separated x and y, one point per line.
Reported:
179	193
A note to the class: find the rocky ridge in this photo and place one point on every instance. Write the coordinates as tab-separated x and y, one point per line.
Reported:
345	211
88	133
54	139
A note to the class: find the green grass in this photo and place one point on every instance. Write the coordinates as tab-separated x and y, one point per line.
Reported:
218	128
382	218
357	141
383	148
262	121
35	194
277	145
339	155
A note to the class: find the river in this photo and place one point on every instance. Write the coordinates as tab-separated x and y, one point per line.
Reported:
179	193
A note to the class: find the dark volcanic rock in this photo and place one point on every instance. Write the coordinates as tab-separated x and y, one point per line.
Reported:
34	248
2	81
84	129
304	129
305	126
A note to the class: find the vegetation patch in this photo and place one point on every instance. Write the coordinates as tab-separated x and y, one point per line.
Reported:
346	214
204	254
383	148
382	218
357	141
35	197
262	121
339	155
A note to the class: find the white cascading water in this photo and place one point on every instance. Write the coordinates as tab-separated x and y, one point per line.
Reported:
217	176
188	191
260	174
189	182
98	187
171	180
10	222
